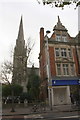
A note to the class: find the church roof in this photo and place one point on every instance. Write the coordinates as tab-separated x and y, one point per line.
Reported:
59	26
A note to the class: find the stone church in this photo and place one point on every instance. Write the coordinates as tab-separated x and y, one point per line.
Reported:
20	69
20	59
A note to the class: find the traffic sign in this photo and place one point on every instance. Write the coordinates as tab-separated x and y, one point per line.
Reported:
65	82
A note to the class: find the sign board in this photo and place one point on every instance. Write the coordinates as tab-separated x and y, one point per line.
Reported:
49	86
65	82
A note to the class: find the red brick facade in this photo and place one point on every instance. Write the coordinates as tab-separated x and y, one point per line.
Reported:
69	45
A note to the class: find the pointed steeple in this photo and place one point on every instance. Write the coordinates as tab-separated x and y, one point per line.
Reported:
59	20
59	26
21	33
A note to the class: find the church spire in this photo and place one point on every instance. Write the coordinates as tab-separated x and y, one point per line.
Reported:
21	33
59	20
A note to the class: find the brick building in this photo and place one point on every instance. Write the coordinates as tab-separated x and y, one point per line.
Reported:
63	62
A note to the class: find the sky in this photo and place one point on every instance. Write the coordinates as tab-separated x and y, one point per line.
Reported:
34	16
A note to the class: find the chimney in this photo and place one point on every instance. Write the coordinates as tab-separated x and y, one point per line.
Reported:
41	38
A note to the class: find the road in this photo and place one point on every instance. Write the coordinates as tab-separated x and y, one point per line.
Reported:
61	118
45	116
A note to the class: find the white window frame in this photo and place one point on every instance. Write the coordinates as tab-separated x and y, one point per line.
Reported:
63	52
64	38
69	53
57	52
65	69
58	38
58	69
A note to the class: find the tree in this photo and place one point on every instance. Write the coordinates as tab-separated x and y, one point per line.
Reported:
6	72
6	90
60	3
33	85
6	75
8	68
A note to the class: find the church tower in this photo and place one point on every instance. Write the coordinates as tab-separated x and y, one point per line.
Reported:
20	59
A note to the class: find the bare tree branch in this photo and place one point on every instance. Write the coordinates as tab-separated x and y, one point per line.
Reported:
7	67
30	46
6	72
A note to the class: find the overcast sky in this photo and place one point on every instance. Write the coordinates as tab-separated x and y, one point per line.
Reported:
35	16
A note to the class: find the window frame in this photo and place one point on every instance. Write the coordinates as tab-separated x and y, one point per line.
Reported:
58	38
63	52
58	69
72	69
64	38
65	69
69	53
57	52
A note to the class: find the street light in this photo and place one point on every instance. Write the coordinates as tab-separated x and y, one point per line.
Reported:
48	70
12	93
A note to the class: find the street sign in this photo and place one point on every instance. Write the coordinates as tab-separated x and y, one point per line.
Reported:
49	86
65	82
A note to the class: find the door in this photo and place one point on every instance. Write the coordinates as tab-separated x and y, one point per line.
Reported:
59	96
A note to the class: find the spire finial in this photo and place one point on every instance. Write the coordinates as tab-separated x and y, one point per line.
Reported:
21	33
58	19
21	17
59	26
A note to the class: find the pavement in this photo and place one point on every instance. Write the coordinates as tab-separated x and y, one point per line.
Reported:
29	110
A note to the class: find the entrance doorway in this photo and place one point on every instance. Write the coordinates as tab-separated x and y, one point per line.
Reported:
60	95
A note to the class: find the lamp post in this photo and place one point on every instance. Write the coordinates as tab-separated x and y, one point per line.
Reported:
48	71
12	93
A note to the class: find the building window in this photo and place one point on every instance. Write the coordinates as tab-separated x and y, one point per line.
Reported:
58	69
69	53
65	69
63	52
64	38
57	52
72	69
58	38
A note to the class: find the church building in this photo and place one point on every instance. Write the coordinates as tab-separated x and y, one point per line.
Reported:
20	59
20	69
